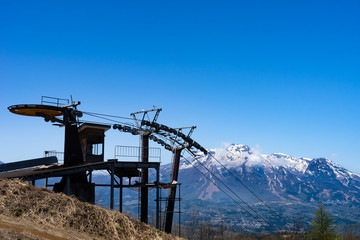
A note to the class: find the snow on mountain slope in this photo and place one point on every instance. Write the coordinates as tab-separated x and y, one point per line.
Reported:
274	176
236	155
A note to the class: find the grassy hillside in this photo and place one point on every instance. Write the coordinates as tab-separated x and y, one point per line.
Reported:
38	213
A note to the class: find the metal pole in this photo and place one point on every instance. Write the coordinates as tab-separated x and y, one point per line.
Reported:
179	211
67	185
112	187
121	195
160	208
172	193
144	178
90	176
157	197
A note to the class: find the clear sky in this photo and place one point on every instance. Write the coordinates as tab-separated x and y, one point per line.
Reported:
283	76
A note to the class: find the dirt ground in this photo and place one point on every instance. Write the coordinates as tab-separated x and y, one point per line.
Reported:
28	212
11	228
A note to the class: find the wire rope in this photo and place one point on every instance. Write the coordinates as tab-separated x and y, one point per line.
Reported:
243	208
107	115
111	120
232	191
252	192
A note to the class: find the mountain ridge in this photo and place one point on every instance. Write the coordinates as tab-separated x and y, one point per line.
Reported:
245	150
293	186
282	176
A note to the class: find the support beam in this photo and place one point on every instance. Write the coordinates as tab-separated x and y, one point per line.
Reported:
179	211
112	187
121	195
72	146
144	178
6	167
73	156
90	176
157	198
67	185
172	193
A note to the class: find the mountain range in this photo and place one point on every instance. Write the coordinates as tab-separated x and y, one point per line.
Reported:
274	177
277	182
240	184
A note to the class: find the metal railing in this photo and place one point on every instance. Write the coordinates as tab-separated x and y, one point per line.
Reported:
135	152
59	155
121	153
54	101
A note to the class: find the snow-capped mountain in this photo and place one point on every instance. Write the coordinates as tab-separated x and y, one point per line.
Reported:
291	186
273	177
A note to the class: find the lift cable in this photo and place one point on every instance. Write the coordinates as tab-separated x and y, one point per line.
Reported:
93	122
242	207
111	120
107	115
252	192
232	191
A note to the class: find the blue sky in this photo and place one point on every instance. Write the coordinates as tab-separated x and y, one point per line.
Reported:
279	75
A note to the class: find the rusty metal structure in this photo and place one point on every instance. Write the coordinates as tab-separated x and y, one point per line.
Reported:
84	153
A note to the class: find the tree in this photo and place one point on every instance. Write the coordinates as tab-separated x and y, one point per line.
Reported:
322	227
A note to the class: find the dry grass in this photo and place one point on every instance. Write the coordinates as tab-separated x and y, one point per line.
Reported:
12	228
56	210
10	234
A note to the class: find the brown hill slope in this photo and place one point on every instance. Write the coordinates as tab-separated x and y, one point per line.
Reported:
42	214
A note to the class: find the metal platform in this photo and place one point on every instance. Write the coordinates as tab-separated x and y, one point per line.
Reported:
61	170
36	110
